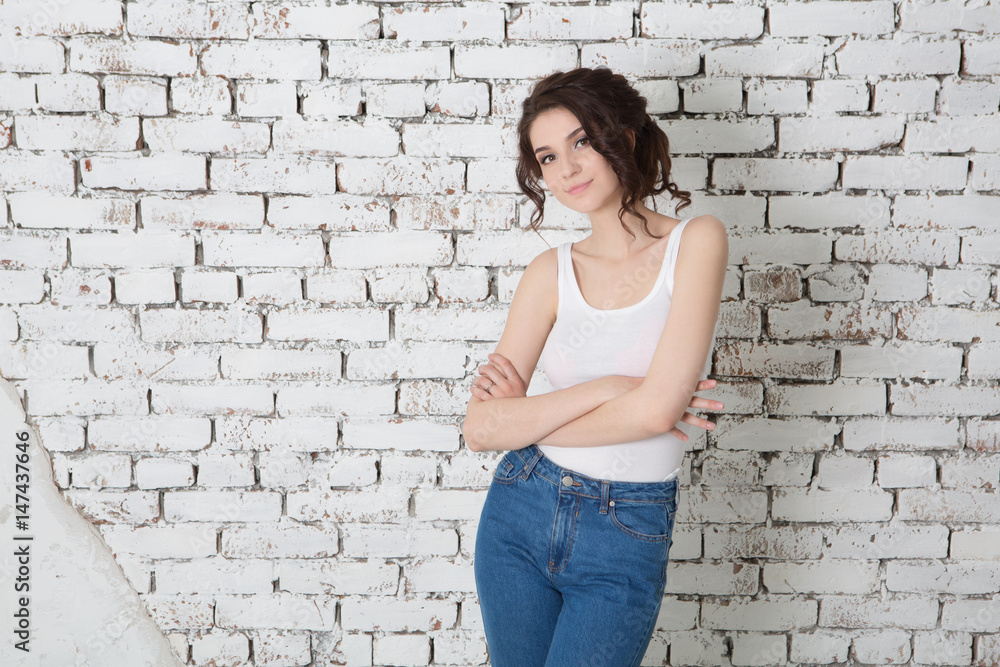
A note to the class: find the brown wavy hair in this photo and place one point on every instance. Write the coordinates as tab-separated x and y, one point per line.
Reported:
606	105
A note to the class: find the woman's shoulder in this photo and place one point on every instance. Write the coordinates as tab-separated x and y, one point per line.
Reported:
706	227
706	237
540	281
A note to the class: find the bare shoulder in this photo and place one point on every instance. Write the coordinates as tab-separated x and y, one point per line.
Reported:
539	282
706	226
705	236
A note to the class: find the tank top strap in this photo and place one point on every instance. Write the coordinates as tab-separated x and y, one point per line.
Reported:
673	248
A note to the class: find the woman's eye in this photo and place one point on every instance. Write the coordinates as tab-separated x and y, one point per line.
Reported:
545	159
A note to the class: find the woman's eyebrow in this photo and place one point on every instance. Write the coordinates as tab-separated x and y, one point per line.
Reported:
568	137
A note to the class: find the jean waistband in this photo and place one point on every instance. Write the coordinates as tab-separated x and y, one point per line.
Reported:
572	481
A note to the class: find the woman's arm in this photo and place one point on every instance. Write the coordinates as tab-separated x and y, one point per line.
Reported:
518	421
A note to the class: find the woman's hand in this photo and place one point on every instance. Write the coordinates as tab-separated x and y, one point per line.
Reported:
698	402
500	377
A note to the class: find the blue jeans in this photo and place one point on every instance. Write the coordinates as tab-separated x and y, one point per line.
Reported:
570	569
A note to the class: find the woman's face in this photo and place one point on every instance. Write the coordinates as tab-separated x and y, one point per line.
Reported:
577	175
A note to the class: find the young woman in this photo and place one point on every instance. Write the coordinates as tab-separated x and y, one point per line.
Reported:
571	549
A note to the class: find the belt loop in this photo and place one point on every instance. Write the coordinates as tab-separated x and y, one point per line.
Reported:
605	494
536	454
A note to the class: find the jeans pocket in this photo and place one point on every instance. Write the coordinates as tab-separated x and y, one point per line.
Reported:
508	468
650	520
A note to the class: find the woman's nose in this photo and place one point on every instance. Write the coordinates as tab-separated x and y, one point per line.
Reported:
570	165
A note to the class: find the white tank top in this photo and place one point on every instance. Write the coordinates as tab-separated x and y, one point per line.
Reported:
587	343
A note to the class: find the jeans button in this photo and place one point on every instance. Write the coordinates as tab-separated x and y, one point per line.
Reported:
567	480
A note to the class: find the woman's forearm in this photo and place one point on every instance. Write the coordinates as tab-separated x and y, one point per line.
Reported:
625	418
516	422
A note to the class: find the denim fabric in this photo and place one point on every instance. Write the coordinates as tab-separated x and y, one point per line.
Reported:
570	569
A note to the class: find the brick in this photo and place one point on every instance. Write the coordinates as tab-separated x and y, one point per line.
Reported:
374	138
331	100
539	22
875	540
274	364
831	19
844	471
900	470
711	578
722	505
971	577
190	326
266	99
902	360
982	543
883	647
886	57
393	614
208	135
265	249
201	95
44	210
791	504
159	171
221	506
120	507
828	575
837	322
159	473
262	60
273	174
74	287
397	540
125	95
24	17
184	20
902	611
140	57
512	61
970	615
216	399
776	612
356	324
900	434
338	578
32	54
220	648
306	434
43	359
214	575
942	648
366	505
20	170
278	611
382	59
285	540
77	133
796	434
281	21
274	648
900	172
836	398
696	21
479	21
112	362
819	646
161	541
152	434
751	648
173	612
401	649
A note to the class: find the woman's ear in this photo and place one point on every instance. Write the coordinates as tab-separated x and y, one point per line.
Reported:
631	136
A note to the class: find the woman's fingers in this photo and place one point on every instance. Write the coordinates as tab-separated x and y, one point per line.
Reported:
506	367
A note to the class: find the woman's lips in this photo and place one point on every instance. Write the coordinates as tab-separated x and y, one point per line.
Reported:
579	188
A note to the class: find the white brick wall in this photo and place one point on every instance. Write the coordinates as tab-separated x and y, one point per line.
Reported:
246	286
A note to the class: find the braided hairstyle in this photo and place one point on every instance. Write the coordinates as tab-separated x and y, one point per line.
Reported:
606	105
